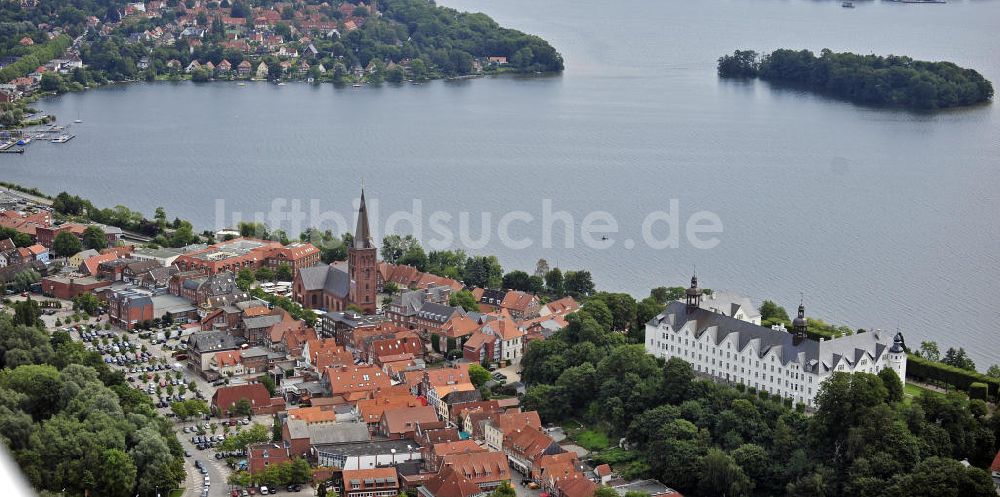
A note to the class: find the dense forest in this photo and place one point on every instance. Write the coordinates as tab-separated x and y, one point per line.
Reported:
74	426
893	81
865	439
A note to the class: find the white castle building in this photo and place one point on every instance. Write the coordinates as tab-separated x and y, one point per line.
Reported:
783	363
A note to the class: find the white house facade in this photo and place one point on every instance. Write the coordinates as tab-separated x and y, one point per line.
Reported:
787	364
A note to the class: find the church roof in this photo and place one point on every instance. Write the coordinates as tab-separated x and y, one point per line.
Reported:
327	278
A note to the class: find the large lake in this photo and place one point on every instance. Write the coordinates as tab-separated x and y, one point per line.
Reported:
882	218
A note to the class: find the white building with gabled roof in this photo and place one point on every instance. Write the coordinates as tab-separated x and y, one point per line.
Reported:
786	364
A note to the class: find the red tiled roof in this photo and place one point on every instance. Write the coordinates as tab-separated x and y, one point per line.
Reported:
563	306
356	379
89	265
226	397
405	419
480	467
576	485
517	300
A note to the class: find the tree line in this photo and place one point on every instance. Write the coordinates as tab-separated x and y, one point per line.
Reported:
893	81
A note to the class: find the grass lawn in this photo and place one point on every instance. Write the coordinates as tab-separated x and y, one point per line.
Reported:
591	440
913	391
177	492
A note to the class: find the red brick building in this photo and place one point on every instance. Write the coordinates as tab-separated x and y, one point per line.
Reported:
248	253
261	402
331	288
260	456
66	288
126	308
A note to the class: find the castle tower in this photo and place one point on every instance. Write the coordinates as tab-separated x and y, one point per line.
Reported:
896	358
800	325
693	295
362	264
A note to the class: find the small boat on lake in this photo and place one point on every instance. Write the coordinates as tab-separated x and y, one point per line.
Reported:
847	5
63	138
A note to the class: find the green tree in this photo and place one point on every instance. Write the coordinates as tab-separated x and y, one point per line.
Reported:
994	371
242	407
265	274
284	272
117	474
554	282
518	280
245	279
478	375
959	359
464	299
663	294
503	490
929	350
66	244
483	271
578	283
893	384
395	246
94	238
27	313
415	257
772	313
720	476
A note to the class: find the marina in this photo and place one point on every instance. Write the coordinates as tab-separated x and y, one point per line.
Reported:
14	141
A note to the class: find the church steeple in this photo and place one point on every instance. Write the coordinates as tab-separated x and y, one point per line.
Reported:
362	235
362	263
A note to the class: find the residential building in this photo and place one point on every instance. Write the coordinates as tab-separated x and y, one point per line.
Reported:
375	482
203	346
498	425
525	446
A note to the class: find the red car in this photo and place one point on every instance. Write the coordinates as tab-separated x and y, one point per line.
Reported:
235	493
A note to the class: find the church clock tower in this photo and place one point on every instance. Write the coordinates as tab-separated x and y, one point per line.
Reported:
362	264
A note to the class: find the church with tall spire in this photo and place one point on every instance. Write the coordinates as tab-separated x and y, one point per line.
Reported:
362	263
331	288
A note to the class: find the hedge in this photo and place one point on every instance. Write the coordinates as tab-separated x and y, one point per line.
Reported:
978	390
922	369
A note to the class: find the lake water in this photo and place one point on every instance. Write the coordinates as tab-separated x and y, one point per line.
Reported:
882	218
